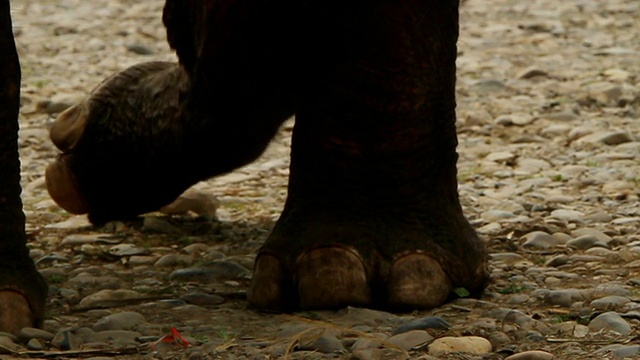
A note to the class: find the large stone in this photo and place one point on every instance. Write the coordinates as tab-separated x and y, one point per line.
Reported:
610	321
126	320
468	344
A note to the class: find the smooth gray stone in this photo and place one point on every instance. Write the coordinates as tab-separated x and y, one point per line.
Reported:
365	343
109	298
431	322
525	322
411	339
626	351
498	339
585	242
531	355
34	344
610	321
326	343
489	86
174	259
126	320
290	330
65	339
7	346
609	302
28	333
539	240
202	299
380	354
219	269
117	337
557	261
152	224
140	49
564	297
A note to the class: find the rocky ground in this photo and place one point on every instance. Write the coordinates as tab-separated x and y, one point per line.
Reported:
549	173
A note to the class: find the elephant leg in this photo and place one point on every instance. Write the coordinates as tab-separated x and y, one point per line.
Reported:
373	216
148	133
22	289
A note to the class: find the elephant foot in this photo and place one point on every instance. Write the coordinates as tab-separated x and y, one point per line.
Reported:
417	281
15	312
334	277
129	122
329	277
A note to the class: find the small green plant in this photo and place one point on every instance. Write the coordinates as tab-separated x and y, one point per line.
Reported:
462	292
468	174
41	83
187	240
560	318
309	315
512	289
592	163
225	335
57	279
557	177
201	338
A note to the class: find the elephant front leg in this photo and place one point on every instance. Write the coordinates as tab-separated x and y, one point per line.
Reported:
373	216
372	219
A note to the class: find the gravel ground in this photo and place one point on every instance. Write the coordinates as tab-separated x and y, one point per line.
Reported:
549	173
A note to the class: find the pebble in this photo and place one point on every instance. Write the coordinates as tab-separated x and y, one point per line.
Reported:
153	224
612	289
7	346
202	299
626	351
35	344
65	339
599	235
28	333
125	320
122	250
514	119
539	240
218	269
169	260
610	302
468	344
365	343
564	297
568	215
531	355
323	341
79	239
610	321
585	242
489	86
380	354
431	322
607	138
109	298
525	322
118	338
411	339
531	72
194	201
140	49
497	215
